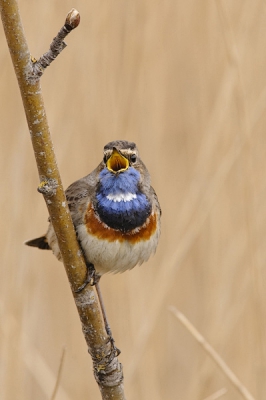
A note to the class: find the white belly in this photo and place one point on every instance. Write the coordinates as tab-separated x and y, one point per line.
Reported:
115	256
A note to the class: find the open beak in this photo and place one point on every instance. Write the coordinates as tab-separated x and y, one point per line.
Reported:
117	162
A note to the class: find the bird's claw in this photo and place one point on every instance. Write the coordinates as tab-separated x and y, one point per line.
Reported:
114	350
91	279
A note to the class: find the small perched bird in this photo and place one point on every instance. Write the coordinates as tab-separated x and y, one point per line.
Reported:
116	215
115	212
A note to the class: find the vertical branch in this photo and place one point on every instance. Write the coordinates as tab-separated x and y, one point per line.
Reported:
107	369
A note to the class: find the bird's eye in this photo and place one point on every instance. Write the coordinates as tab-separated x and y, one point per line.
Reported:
133	158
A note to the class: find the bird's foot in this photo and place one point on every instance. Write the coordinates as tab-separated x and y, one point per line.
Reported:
114	350
91	279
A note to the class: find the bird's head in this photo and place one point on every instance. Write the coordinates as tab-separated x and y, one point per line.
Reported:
119	155
122	157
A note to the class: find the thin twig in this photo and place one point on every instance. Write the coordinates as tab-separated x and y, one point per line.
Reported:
57	45
59	373
213	354
217	394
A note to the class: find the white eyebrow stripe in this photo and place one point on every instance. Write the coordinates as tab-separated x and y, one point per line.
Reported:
121	197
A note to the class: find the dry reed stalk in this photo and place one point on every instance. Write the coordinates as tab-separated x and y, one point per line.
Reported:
166	277
198	202
42	373
217	394
59	374
196	206
213	354
256	269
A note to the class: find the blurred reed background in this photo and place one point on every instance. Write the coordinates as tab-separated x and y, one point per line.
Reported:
186	81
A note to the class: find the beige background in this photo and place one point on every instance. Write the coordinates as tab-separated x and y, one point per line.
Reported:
186	81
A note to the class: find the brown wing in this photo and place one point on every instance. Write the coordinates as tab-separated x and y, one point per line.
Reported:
154	200
80	193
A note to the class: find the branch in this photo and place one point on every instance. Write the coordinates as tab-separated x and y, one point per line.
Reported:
107	369
57	45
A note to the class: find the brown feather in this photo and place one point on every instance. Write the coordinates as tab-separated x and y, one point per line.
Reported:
40	242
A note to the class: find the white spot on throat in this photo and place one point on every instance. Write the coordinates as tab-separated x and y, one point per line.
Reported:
121	197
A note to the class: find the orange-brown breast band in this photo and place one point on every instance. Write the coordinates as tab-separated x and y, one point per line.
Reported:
101	231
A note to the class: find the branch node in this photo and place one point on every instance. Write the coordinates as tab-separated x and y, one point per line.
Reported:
48	187
108	371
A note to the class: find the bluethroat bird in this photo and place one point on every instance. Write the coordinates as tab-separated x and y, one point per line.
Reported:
115	212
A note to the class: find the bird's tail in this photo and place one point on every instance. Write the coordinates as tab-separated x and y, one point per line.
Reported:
40	242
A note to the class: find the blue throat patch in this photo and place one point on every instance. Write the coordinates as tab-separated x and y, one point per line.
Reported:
112	203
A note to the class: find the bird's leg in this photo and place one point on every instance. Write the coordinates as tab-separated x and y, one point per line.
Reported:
106	324
93	279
